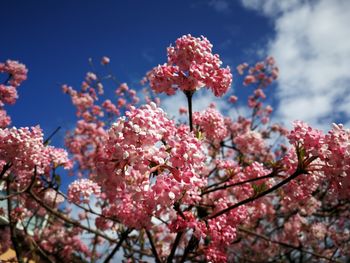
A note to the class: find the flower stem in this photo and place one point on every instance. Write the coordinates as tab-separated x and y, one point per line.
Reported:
189	94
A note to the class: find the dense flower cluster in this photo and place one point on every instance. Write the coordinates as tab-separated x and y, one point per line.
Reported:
191	65
25	150
151	163
81	190
250	142
17	73
212	124
60	242
333	151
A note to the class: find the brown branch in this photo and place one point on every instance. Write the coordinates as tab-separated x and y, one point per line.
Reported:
69	220
51	135
89	209
123	236
153	247
8	196
192	244
253	198
270	175
16	245
189	94
245	230
5	168
173	249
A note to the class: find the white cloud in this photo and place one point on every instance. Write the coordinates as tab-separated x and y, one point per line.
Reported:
221	6
271	7
312	49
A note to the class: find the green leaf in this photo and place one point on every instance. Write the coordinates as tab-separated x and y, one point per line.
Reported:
152	164
207	240
199	135
58	179
259	188
168	150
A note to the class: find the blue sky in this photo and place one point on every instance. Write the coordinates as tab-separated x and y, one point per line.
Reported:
310	40
56	38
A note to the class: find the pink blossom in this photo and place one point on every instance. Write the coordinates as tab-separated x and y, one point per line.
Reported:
52	197
182	110
5	120
17	71
105	60
8	94
24	148
191	65
263	73
212	124
81	190
250	142
240	68
249	79
233	99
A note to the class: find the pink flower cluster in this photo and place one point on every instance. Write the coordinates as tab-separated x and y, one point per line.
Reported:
262	73
80	191
335	154
224	198
212	124
105	60
85	142
191	65
61	242
149	163
250	143
215	235
304	135
221	232
52	197
333	151
24	149
17	73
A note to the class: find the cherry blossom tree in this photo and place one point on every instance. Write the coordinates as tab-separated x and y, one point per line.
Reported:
149	188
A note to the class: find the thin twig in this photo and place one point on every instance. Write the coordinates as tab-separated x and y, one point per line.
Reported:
16	245
253	198
173	249
153	247
238	183
69	220
192	244
51	135
123	236
245	230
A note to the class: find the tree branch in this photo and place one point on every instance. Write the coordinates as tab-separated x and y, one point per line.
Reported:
253	198
189	95
245	230
16	245
173	249
123	236
69	220
238	183
154	249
